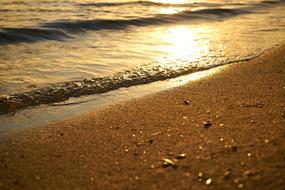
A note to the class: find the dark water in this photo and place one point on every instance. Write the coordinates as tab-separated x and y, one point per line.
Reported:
53	50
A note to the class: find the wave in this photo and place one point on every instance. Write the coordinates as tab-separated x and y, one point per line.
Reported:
16	35
158	4
64	29
132	3
63	91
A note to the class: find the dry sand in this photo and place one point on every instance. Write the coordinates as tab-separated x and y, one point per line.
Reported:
121	146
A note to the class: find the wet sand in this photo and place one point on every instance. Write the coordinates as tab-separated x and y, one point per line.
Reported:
225	131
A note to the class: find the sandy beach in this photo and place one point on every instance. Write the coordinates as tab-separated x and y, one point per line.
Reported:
225	131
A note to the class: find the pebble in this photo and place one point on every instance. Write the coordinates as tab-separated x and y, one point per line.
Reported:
37	177
247	173
181	156
236	180
227	173
266	141
126	150
209	181
240	186
200	176
252	121
168	162
207	124
187	102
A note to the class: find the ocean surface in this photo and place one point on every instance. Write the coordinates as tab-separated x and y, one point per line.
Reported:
53	50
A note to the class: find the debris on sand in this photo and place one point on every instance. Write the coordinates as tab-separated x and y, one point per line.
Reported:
207	124
187	102
181	156
168	162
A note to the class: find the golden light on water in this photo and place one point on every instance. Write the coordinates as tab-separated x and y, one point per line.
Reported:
183	43
170	10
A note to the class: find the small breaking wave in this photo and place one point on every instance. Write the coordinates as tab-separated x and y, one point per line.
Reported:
63	91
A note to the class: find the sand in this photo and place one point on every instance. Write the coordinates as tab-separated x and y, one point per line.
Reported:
225	131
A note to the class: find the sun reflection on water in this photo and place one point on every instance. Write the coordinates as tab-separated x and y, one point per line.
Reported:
170	10
183	43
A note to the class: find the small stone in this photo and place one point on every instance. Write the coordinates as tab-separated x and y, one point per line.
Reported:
167	162
137	178
126	150
187	174
249	154
252	121
222	139
187	102
152	167
181	156
208	112
201	177
227	173
266	141
236	180
247	173
282	114
37	177
240	186
209	181
221	125
207	124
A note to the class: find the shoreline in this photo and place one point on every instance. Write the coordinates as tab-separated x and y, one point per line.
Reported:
241	145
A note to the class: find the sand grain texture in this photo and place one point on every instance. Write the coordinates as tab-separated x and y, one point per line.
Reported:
121	146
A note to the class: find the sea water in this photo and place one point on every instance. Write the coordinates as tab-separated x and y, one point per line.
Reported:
51	51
